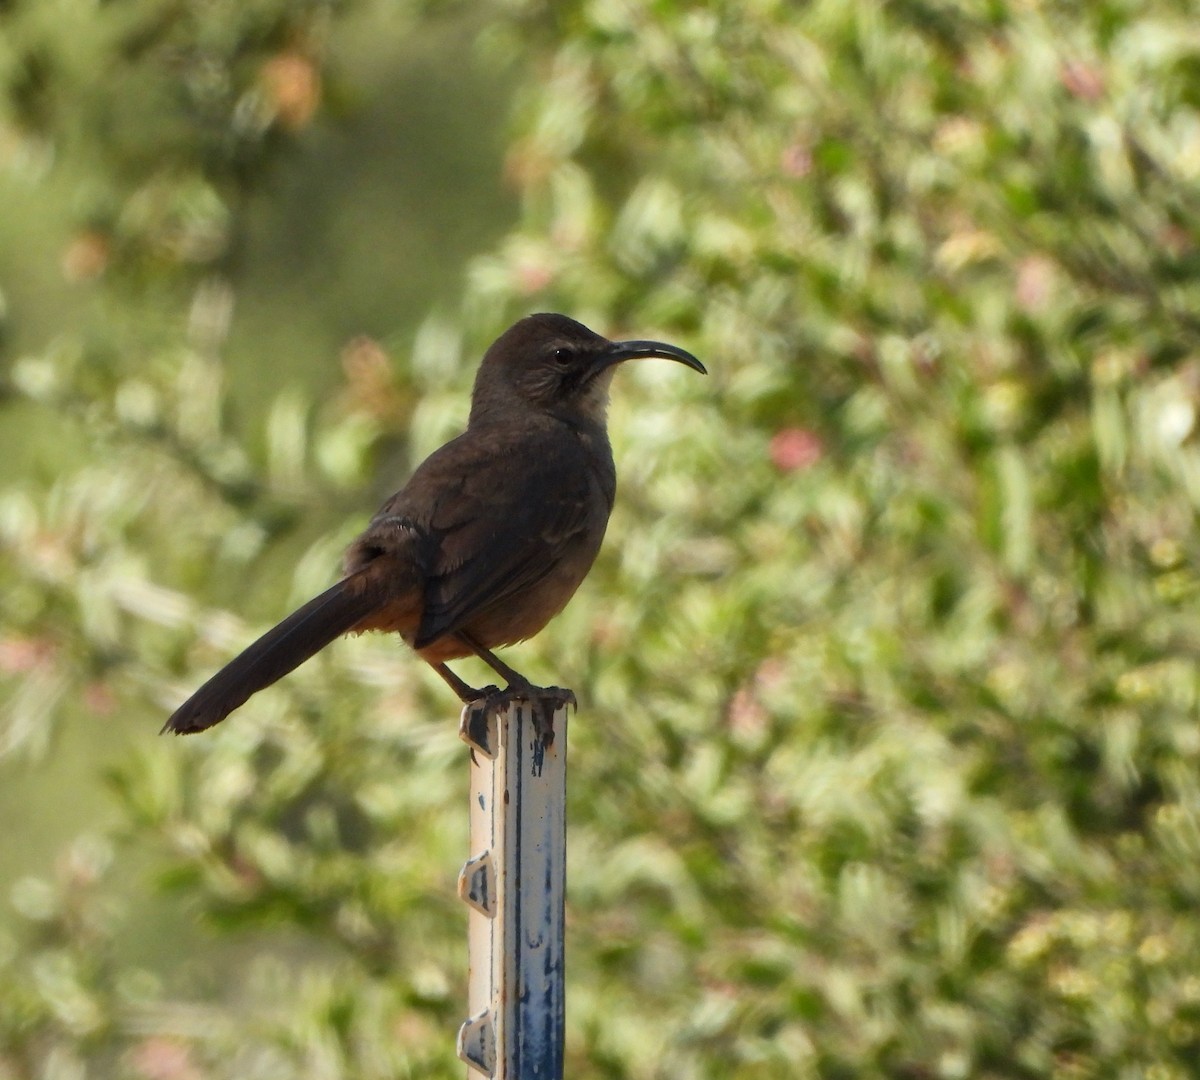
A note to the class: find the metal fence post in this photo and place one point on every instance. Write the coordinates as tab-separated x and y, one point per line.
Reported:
515	883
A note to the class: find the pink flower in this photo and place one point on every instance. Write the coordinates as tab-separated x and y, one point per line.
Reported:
796	448
1082	80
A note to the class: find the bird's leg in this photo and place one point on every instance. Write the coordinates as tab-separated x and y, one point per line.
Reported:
465	693
543	700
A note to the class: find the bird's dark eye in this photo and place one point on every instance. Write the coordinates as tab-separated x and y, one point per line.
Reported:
563	355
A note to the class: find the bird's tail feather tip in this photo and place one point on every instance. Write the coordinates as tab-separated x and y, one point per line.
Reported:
197	714
281	649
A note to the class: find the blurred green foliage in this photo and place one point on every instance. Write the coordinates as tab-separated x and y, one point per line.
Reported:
887	761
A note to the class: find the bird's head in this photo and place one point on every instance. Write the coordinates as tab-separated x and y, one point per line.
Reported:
555	364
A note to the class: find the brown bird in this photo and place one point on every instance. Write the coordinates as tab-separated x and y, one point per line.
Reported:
490	537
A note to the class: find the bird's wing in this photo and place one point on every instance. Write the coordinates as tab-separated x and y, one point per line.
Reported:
497	525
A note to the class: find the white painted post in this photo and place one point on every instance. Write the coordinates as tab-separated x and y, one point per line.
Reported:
515	882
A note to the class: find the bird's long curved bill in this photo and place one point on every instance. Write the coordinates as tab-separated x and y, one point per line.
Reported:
636	350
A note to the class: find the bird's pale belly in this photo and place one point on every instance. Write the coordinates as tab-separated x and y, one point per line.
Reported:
511	622
518	618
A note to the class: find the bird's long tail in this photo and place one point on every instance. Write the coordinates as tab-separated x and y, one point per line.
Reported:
281	649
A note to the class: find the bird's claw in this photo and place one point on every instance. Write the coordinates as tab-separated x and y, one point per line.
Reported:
543	701
473	726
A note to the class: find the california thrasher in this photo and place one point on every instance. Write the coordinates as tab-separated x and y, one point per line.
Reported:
490	537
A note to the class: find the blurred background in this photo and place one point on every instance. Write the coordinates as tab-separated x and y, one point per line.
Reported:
886	761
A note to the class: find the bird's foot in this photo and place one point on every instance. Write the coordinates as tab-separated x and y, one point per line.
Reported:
543	701
473	727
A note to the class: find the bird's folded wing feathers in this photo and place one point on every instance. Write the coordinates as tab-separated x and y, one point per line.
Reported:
499	537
